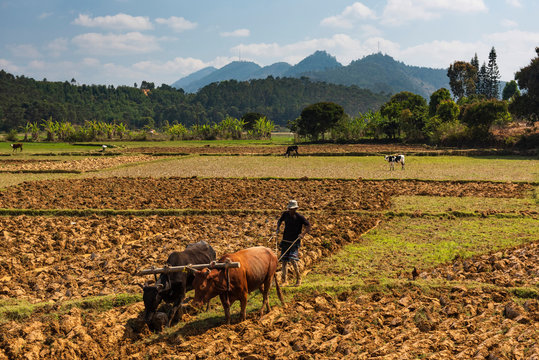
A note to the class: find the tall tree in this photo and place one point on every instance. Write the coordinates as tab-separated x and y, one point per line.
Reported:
482	80
527	104
436	98
462	78
475	63
493	76
317	118
510	89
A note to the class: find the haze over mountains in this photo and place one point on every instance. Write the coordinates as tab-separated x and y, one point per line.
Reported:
376	72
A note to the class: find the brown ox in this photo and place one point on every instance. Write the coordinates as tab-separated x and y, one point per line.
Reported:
257	268
16	146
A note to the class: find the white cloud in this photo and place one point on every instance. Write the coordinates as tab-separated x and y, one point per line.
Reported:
116	44
440	54
90	62
515	3
514	49
57	47
25	51
176	67
342	46
369	31
177	24
398	12
115	22
350	16
509	23
37	65
8	66
236	33
45	15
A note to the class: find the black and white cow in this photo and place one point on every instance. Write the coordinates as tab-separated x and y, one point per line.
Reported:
290	150
392	159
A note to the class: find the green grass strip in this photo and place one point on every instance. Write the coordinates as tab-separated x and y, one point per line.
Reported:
15	310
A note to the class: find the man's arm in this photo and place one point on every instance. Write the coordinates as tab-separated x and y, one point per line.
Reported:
305	231
307	228
278	226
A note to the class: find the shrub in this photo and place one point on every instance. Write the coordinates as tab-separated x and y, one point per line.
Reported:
12	135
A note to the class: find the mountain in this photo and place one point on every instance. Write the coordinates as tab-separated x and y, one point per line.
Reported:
275	70
193	77
376	72
243	70
236	70
319	61
382	73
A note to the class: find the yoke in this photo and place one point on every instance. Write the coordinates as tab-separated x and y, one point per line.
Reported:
174	269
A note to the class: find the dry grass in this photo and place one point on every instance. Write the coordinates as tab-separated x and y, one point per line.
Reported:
368	167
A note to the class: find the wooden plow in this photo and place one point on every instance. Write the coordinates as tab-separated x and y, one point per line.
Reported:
173	269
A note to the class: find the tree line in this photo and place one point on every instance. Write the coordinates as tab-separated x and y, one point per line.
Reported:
24	100
464	118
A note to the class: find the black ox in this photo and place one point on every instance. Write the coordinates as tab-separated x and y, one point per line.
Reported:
171	288
291	151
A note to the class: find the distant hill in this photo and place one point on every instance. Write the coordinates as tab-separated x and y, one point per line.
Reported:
376	72
281	99
243	70
196	76
236	70
319	61
381	73
275	70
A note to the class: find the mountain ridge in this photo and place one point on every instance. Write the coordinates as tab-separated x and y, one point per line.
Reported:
376	72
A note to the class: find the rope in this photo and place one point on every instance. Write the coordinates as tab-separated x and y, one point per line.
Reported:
288	248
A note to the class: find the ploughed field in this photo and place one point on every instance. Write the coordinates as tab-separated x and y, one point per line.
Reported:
80	165
228	193
67	288
61	258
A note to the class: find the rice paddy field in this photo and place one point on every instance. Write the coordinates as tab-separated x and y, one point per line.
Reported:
436	261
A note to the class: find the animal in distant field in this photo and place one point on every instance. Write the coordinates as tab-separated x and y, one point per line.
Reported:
103	147
16	146
256	271
393	159
291	151
172	287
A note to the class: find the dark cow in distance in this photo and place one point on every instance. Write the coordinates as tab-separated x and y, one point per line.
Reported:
291	151
172	287
257	268
16	146
395	159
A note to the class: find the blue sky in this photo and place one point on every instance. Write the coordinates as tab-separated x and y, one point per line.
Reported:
121	42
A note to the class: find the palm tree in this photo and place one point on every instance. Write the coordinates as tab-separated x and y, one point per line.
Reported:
50	127
26	129
34	129
121	130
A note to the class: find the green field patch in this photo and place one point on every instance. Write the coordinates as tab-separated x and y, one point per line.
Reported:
463	204
15	309
398	245
503	168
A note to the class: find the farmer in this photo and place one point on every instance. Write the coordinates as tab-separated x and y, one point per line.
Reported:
293	226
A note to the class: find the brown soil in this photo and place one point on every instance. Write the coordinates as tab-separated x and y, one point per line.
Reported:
517	267
227	193
453	322
60	258
82	165
280	150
